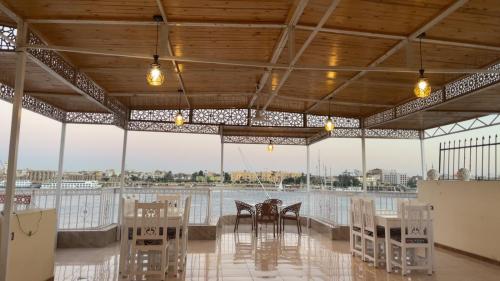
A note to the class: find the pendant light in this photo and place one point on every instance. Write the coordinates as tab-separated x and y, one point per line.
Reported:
179	119
155	75
270	146
422	87
329	126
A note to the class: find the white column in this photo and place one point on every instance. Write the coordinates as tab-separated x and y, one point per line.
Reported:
13	149
308	172
422	154
221	160
60	171
363	158
122	175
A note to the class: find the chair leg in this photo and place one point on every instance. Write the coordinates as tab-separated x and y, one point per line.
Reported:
298	227
403	260
375	252
236	223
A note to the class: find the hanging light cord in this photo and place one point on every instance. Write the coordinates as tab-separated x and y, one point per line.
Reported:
179	100
156	46
421	60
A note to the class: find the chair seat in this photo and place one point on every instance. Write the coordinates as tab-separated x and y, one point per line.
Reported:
171	233
380	232
245	215
410	240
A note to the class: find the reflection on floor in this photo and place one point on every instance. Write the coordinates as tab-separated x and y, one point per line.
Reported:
241	256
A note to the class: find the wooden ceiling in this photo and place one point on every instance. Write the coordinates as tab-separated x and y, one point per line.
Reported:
209	85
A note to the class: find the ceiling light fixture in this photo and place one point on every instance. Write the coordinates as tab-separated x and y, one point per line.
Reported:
422	87
270	146
329	126
179	119
155	75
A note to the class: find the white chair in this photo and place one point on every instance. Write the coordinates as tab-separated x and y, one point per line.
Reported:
173	199
149	240
373	236
356	227
415	236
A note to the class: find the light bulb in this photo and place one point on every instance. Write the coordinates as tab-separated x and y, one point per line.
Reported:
155	76
422	88
179	120
329	125
270	147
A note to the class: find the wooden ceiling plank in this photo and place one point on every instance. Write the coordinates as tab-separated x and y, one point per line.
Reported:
443	14
9	12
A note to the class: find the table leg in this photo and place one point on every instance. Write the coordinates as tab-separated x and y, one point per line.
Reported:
177	238
388	252
123	249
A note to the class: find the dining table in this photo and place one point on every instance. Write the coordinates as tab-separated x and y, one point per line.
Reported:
393	221
174	220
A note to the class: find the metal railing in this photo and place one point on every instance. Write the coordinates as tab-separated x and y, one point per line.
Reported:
86	209
479	156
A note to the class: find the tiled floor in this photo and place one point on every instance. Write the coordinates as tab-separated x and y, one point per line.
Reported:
291	257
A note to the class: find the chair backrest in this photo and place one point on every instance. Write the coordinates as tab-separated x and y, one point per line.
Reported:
172	199
369	215
242	206
185	215
266	210
357	212
415	220
150	221
294	208
274	201
127	206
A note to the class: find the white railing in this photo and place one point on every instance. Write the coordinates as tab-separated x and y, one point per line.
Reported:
98	208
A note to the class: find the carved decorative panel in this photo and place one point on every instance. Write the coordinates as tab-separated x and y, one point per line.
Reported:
380	117
167	115
392	134
339	122
170	127
472	83
59	65
33	104
434	98
10	33
264	140
279	119
221	116
90	118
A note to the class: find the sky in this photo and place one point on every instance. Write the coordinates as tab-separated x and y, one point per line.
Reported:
99	147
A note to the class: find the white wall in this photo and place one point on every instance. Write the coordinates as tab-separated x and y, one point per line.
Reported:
466	215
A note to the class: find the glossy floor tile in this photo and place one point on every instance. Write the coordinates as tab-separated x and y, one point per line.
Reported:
241	256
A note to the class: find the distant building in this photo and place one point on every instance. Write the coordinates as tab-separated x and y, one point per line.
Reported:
268	176
392	177
40	176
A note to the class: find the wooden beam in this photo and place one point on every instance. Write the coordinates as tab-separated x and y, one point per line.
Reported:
159	3
257	64
175	94
310	38
443	14
51	95
6	9
278	48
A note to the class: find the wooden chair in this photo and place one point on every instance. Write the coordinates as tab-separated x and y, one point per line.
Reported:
372	235
266	213
277	202
356	227
172	199
415	234
291	212
149	240
243	210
